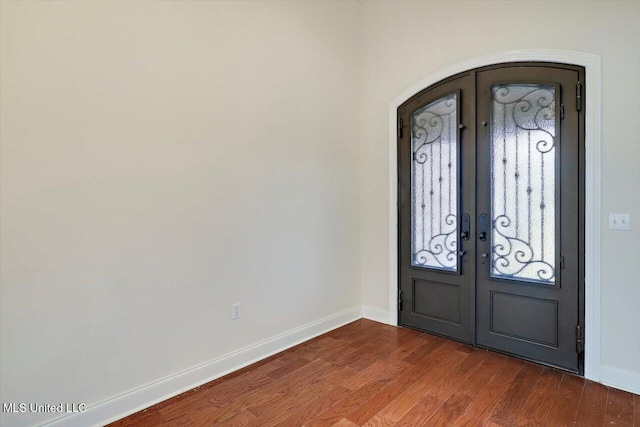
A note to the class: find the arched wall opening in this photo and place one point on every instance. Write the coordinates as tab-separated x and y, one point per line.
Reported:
592	65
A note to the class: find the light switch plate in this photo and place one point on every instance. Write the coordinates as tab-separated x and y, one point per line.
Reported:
619	221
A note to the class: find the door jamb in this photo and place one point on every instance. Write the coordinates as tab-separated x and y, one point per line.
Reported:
593	117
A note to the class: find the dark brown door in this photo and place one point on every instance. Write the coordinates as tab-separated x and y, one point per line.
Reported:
490	180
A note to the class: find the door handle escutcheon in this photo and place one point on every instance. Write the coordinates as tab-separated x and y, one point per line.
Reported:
465	227
483	223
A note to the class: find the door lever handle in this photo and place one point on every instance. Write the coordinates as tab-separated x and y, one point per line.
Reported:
461	253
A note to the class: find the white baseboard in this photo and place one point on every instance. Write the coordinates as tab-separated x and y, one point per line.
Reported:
620	378
135	400
375	314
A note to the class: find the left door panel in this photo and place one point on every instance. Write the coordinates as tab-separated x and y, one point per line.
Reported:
436	268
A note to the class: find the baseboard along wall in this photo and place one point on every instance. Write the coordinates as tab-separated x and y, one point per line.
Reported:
135	400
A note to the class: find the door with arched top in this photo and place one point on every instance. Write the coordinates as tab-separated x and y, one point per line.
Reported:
491	217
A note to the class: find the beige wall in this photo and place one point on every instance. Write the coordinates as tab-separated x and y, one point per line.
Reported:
404	42
161	161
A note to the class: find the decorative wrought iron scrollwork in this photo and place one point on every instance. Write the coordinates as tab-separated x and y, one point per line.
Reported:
434	185
523	182
512	249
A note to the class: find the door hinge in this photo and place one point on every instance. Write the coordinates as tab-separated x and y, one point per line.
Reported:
561	111
579	339
399	127
579	96
561	262
400	300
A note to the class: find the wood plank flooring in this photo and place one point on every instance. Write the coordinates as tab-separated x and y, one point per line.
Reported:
370	374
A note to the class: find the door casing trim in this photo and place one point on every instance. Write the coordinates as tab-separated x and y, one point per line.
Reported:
593	125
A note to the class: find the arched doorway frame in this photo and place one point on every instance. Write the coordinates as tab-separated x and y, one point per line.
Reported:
593	119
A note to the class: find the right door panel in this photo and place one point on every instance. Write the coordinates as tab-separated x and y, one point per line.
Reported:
528	186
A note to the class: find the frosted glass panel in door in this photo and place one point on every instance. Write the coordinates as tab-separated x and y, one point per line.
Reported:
434	195
523	182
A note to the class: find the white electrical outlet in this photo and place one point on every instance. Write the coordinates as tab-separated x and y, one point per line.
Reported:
619	221
235	311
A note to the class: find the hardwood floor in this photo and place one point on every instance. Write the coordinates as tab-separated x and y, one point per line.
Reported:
370	374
